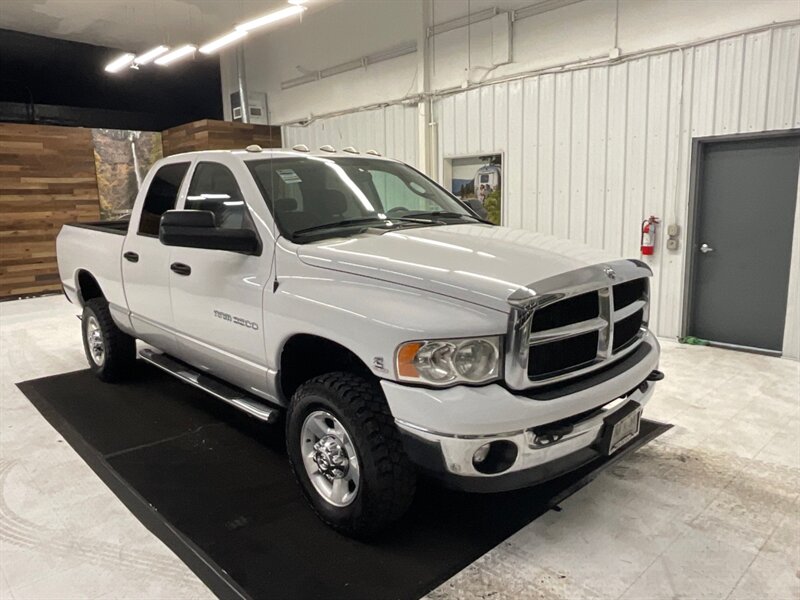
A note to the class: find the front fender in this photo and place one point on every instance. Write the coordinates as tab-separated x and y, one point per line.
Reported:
368	316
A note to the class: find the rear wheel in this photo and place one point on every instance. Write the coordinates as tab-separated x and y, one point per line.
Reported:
111	353
347	454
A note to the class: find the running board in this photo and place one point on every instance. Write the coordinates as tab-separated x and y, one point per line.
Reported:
216	388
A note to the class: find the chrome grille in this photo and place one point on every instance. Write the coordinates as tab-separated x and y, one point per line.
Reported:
576	322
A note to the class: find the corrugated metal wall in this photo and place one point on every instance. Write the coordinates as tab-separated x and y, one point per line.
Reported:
391	130
588	154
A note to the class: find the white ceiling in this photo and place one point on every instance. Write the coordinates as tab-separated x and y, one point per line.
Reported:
133	25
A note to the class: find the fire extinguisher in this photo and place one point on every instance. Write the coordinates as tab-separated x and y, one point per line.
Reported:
648	242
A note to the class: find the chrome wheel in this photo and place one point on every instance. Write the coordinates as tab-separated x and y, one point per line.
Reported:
94	337
329	458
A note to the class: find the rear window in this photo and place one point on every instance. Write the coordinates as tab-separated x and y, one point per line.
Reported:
161	196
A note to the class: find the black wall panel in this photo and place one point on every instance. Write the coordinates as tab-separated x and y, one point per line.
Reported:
67	82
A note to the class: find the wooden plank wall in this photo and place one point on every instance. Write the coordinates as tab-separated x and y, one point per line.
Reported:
209	134
47	178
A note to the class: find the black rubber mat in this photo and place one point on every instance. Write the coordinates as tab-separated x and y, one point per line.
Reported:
216	487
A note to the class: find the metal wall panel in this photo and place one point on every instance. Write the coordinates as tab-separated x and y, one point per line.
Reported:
391	130
590	153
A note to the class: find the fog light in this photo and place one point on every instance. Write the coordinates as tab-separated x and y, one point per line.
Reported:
481	454
495	457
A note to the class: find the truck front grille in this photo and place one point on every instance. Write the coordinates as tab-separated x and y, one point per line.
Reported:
626	330
562	356
571	310
568	331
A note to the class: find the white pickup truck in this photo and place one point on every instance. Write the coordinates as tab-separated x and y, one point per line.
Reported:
397	331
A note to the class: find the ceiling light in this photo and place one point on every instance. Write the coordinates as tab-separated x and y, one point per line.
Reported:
297	2
284	13
176	54
226	39
120	63
148	56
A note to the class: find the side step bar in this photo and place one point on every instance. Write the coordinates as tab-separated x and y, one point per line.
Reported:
216	388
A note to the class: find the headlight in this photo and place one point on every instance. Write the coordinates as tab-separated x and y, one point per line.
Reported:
442	362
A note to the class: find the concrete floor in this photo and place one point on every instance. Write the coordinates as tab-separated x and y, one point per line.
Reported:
709	510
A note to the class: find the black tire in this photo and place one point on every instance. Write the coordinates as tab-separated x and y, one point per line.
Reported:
387	477
119	349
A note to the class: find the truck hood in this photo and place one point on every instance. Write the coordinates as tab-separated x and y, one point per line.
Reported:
481	264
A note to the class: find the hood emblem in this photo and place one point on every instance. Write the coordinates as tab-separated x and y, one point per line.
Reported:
610	273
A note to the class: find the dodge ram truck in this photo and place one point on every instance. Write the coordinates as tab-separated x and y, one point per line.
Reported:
391	328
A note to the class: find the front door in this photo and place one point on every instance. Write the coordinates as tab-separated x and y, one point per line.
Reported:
217	294
747	192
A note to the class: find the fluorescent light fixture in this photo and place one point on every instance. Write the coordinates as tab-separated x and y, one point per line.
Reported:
226	39
176	54
120	63
278	15
297	2
148	56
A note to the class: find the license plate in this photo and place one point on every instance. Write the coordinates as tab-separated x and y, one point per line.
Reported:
621	427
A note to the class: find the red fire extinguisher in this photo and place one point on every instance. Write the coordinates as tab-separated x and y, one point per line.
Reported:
649	235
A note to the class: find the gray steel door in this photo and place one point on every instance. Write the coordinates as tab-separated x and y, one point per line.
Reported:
744	221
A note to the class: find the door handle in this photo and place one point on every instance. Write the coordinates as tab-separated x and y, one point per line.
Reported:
705	249
181	269
131	256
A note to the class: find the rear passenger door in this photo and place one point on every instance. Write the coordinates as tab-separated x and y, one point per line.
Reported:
217	294
145	260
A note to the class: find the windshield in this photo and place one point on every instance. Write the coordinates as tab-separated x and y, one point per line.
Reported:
314	197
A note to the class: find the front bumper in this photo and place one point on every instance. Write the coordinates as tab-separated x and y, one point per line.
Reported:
462	419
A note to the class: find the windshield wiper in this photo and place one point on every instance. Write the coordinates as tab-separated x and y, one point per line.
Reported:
343	223
446	215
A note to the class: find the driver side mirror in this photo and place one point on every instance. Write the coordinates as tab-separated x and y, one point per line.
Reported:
197	229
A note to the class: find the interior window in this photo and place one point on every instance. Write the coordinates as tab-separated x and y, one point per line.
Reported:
161	196
214	188
396	193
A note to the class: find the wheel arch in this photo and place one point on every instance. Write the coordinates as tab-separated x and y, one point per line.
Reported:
304	356
87	286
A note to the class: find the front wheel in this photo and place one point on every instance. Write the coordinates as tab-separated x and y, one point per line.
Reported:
347	454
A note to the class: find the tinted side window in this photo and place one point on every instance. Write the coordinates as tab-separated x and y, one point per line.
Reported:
214	188
161	196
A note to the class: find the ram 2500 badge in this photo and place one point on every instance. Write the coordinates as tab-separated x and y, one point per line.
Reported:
397	331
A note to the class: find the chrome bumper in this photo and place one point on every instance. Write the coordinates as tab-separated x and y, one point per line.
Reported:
457	451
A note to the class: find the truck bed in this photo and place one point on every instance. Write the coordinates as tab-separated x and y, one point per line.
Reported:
95	249
117	227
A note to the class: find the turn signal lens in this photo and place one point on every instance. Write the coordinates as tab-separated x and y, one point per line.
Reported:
405	359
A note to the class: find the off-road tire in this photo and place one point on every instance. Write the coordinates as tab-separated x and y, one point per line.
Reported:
388	479
120	348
